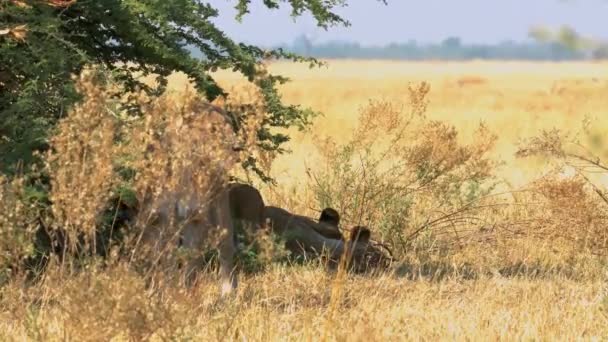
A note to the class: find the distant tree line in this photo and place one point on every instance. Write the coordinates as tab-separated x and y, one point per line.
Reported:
451	48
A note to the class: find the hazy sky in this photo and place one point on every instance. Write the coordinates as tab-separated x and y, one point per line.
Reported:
475	21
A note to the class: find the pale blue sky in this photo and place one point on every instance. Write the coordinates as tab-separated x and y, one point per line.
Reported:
475	21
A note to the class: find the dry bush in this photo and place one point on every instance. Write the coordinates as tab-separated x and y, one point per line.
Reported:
573	213
183	151
402	174
571	207
431	196
81	161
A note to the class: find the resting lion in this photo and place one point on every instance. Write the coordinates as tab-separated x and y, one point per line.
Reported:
303	236
246	204
188	204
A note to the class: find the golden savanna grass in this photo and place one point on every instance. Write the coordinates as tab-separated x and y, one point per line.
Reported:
524	260
515	99
291	304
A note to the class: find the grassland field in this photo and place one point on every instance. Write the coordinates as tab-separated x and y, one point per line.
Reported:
515	99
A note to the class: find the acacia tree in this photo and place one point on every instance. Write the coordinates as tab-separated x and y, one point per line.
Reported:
44	42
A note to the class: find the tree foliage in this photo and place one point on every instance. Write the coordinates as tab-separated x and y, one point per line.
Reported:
44	42
571	39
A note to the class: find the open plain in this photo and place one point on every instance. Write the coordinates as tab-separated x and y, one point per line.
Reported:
534	269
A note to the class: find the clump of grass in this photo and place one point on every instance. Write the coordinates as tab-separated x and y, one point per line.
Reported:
575	206
292	303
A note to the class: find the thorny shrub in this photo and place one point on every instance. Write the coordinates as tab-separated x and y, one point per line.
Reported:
403	174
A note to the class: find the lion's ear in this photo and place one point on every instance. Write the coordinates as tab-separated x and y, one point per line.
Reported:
360	234
330	216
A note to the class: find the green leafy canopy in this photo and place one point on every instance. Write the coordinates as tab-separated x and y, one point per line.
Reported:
131	38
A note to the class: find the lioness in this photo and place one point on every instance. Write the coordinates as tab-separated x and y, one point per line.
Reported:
201	225
303	236
195	224
246	204
186	198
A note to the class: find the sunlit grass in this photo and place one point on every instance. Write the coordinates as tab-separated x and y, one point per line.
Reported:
515	100
293	304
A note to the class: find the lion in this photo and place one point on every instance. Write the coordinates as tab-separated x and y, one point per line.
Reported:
360	234
247	205
194	224
305	237
204	221
247	210
186	207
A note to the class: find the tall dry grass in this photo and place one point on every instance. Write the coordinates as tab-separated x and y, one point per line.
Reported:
81	162
482	256
293	304
515	101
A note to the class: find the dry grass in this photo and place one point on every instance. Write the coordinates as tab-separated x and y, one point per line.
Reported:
82	158
515	99
525	265
294	304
